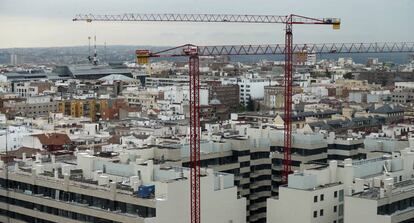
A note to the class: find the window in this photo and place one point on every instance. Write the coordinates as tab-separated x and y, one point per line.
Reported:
315	199
341	195
335	208
315	214
341	210
322	197
336	192
321	212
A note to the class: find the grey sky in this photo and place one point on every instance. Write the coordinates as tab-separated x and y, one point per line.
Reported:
37	23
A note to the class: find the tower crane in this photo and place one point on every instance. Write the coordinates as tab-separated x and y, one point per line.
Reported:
287	20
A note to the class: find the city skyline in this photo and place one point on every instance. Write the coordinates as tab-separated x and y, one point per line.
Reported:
48	24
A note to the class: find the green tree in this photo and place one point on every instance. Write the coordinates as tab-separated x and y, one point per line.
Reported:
250	105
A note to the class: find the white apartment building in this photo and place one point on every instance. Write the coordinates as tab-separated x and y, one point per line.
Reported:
3	119
147	98
389	197
12	136
341	147
305	202
373	190
180	94
5	86
250	86
29	89
318	91
379	142
153	82
400	86
97	189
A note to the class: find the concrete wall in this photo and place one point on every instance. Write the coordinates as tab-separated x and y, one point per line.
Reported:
298	206
220	206
366	209
31	142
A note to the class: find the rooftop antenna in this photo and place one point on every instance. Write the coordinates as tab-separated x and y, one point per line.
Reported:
105	51
89	49
95	54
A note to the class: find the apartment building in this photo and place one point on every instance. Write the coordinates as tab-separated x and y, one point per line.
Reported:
274	96
403	96
97	189
389	200
341	147
180	94
248	160
250	87
302	200
376	142
153	82
221	150
338	192
146	98
306	148
92	108
32	106
30	89
226	94
400	86
11	137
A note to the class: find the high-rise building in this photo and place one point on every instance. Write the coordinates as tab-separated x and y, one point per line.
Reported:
14	59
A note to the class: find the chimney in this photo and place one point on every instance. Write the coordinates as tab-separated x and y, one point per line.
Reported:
349	175
38	157
56	173
333	165
388	184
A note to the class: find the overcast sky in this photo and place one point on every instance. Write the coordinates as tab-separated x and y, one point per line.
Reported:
43	23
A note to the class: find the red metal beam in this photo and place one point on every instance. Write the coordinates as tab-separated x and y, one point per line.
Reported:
288	102
195	138
217	18
279	49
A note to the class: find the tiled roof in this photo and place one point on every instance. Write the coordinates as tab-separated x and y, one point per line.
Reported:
57	139
19	152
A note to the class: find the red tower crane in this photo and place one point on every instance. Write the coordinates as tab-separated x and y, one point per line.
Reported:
288	20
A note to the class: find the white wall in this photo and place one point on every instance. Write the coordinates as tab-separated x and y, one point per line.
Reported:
363	211
15	135
216	206
179	94
31	142
296	205
248	87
